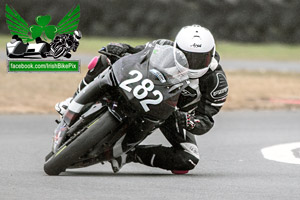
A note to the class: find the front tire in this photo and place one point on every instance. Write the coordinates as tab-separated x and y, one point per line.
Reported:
59	52
68	155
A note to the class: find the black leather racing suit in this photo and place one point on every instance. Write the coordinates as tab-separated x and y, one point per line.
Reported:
63	39
203	98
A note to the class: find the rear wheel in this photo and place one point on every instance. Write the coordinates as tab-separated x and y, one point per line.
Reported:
68	155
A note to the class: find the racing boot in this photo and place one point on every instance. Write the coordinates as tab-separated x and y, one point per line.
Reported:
97	65
61	107
118	163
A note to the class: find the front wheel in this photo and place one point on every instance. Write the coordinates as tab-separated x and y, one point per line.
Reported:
69	154
60	51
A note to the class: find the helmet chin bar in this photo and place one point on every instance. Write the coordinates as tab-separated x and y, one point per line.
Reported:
197	73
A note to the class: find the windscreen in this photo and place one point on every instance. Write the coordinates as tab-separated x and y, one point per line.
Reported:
169	65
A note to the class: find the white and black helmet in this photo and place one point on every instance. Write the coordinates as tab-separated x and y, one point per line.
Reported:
77	34
198	45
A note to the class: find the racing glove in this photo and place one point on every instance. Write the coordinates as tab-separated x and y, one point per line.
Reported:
185	120
116	49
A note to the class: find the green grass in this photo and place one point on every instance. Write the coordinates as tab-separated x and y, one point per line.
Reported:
4	40
265	51
93	44
227	50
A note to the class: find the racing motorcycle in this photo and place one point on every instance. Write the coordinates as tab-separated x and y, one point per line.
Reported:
145	92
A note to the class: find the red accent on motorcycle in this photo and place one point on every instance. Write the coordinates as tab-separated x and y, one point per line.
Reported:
172	103
70	117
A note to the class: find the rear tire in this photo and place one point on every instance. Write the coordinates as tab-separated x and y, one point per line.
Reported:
68	155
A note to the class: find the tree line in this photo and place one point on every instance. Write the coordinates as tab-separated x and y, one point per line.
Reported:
233	20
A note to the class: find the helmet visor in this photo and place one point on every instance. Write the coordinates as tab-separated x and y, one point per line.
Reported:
198	60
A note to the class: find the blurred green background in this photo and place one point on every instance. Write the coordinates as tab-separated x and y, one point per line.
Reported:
229	20
261	30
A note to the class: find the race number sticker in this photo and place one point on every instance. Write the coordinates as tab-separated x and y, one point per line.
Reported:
141	91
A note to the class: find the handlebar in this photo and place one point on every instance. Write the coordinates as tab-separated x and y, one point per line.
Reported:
104	52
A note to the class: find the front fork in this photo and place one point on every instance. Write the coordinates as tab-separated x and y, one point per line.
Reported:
128	135
62	130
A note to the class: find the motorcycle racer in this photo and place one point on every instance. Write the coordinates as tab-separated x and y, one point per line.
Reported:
197	104
71	39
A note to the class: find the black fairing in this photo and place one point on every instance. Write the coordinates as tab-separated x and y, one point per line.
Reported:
140	62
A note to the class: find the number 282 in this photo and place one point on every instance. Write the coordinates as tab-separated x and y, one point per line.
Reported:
141	91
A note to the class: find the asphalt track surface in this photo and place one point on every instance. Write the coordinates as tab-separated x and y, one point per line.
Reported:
231	166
